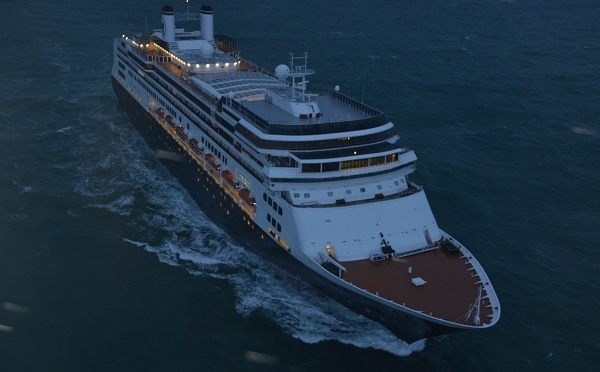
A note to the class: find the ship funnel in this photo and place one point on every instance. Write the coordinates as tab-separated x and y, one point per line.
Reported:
206	23
168	19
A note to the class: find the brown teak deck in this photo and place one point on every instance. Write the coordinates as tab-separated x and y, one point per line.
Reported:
452	284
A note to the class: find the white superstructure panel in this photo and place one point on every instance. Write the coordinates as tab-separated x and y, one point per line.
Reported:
354	229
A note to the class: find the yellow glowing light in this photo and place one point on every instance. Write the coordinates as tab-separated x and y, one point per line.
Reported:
217	64
227	64
207	65
197	65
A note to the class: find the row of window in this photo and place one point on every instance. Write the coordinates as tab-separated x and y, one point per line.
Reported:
349	164
274	222
209	145
214	150
156	97
348	191
273	204
183	101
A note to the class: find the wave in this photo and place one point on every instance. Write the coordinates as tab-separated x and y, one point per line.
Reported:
583	131
125	179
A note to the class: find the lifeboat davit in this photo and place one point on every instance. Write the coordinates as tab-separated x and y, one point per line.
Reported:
196	146
170	120
181	132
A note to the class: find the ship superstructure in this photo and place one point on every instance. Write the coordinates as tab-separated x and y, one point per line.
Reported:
321	176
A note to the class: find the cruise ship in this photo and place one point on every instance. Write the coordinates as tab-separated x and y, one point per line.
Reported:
316	182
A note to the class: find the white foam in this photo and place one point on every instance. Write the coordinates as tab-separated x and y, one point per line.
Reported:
128	181
121	206
64	129
24	189
583	131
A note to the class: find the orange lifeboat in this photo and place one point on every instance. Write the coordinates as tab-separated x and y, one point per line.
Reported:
248	198
214	163
230	179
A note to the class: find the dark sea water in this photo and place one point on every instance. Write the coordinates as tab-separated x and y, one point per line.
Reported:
106	264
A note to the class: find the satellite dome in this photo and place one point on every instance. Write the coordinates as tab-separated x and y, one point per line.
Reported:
281	72
207	50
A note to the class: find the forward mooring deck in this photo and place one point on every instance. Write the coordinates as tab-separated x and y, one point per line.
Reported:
450	289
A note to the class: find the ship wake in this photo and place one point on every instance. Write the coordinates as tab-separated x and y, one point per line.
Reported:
165	221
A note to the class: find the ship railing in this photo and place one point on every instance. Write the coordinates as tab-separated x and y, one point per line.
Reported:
187	16
354	103
249	65
326	260
412	252
412	189
307	129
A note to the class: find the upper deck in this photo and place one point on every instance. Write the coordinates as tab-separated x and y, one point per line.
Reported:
275	103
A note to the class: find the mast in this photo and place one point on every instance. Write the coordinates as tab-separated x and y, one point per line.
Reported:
298	73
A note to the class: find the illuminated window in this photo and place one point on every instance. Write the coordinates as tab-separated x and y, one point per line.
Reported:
391	158
379	160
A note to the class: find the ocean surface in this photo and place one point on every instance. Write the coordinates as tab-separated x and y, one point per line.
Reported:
106	264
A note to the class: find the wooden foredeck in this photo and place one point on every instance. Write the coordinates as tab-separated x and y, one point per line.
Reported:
451	284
